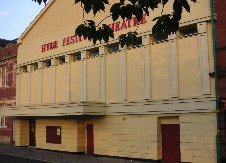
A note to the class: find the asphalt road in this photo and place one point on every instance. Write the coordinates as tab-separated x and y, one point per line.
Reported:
15	159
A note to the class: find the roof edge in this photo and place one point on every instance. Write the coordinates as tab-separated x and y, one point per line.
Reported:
19	41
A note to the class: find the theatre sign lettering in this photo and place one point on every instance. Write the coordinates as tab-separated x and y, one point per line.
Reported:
115	26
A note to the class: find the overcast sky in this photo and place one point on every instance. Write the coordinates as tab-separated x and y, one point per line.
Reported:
15	17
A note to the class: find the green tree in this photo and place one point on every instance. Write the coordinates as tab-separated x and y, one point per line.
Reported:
125	9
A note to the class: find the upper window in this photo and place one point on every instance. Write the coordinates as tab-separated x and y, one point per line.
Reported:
113	48
35	66
188	30
24	69
61	60
6	77
94	53
1	76
47	63
161	37
77	57
137	43
3	122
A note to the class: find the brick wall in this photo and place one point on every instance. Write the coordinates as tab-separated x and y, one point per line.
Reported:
8	89
220	10
220	29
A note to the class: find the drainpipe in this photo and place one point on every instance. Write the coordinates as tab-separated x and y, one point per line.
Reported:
216	84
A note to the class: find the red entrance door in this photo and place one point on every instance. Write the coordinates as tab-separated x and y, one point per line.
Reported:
171	143
90	141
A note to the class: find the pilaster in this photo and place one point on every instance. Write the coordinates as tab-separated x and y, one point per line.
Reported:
84	67
204	57
40	81
18	86
53	80
147	69
29	84
123	73
68	74
174	90
102	74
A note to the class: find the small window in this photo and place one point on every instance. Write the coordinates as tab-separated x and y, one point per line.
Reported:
53	134
113	48
4	122
24	69
61	60
161	37
1	76
6	76
94	53
47	63
137	43
188	30
35	66
77	57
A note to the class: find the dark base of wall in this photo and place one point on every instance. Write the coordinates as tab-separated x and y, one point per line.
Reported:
132	159
66	152
116	157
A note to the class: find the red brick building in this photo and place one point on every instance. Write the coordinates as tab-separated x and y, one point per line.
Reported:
220	29
8	56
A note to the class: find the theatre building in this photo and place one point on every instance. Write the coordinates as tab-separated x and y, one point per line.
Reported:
154	100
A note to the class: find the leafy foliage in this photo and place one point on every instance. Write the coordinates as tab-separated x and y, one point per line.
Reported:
40	1
89	30
126	9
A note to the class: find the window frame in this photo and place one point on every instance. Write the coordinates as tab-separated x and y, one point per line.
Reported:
47	63
138	43
93	51
112	46
162	38
24	69
6	77
1	76
35	66
184	29
1	122
74	57
61	60
4	124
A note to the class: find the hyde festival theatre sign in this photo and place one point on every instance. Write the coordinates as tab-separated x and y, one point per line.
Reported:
115	26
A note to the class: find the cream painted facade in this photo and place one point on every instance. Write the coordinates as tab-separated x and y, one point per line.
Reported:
127	95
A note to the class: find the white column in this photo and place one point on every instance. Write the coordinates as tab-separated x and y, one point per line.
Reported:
29	84
102	74
53	64
68	76
204	57
147	69
174	90
123	73
83	57
40	81
18	86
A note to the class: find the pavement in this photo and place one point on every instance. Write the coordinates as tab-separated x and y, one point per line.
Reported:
38	155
